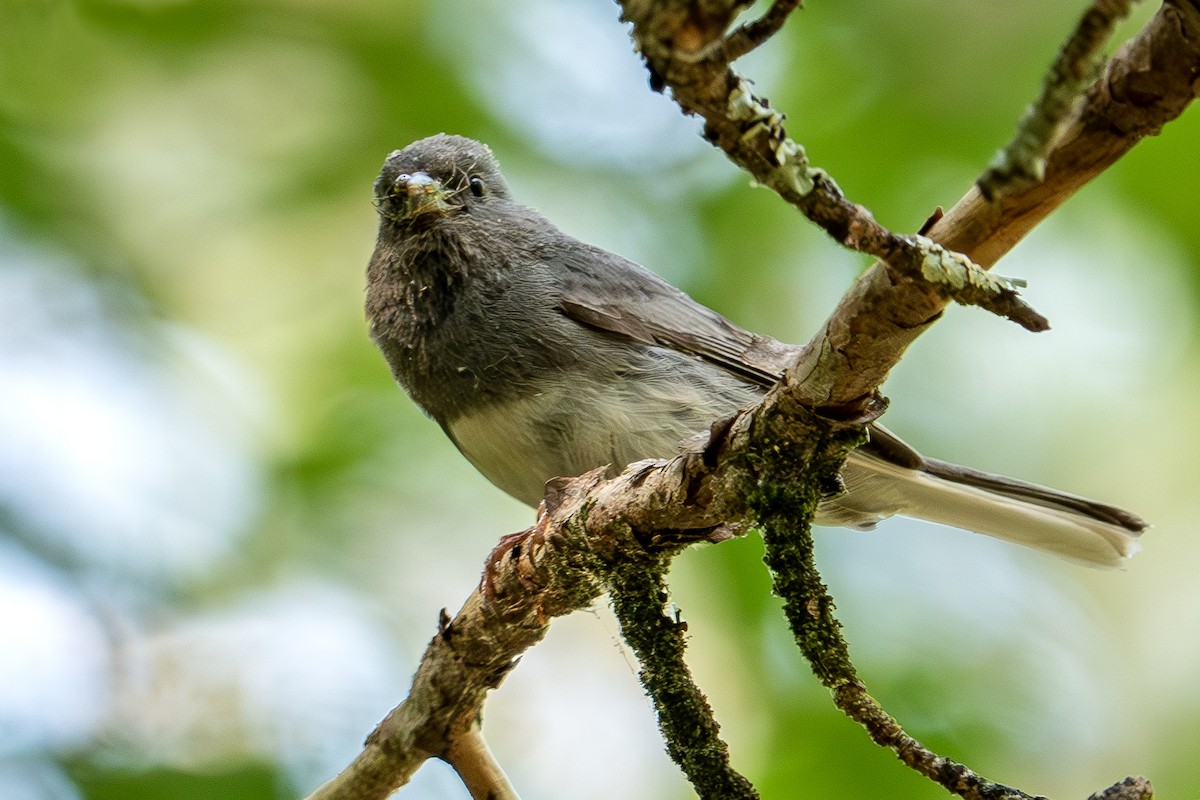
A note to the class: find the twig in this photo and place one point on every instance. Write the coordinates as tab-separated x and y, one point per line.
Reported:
638	592
1079	63
782	502
783	519
687	50
483	776
746	38
1148	83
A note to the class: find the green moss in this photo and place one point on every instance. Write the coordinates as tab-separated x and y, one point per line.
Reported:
787	478
639	594
583	564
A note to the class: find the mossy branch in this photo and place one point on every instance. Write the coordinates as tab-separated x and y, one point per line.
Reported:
638	591
1079	63
783	504
561	563
686	48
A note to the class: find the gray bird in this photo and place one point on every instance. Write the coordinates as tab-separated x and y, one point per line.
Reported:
543	356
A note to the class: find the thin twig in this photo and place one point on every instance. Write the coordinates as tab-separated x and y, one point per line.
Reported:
809	609
1148	83
746	38
472	759
688	51
782	503
638	592
1078	64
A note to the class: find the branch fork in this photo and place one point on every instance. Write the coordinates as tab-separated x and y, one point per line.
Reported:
590	530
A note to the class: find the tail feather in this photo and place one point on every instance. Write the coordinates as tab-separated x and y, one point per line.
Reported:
1039	495
1074	527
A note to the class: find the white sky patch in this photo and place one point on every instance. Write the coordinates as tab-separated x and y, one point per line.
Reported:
565	75
118	448
297	674
54	662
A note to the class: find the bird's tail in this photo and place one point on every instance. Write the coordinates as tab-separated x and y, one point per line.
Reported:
1082	530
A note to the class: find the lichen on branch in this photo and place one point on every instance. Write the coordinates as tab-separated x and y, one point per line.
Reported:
561	563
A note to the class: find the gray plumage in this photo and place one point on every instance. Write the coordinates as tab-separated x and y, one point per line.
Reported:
541	355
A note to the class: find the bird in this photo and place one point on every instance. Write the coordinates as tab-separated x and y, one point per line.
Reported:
542	356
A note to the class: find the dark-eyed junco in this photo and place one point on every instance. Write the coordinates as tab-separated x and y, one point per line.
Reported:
542	356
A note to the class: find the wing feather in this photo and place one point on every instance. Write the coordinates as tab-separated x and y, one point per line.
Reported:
608	293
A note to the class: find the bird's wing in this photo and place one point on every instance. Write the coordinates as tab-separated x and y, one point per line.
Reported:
608	293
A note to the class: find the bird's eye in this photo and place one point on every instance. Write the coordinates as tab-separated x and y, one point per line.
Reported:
476	184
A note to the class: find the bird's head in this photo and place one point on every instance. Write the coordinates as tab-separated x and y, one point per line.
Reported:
437	177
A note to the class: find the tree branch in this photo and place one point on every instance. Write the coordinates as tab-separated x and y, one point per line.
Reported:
587	525
587	529
1023	161
685	48
472	759
1148	83
638	590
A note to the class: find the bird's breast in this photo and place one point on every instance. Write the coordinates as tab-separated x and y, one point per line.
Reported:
581	420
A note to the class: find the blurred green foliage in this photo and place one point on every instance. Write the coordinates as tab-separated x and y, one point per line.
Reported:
197	175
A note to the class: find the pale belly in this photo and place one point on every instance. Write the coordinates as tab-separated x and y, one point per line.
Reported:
566	431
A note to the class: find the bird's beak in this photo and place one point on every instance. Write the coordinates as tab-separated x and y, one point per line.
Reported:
419	195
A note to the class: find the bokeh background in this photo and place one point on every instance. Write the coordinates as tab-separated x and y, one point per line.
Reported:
225	535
